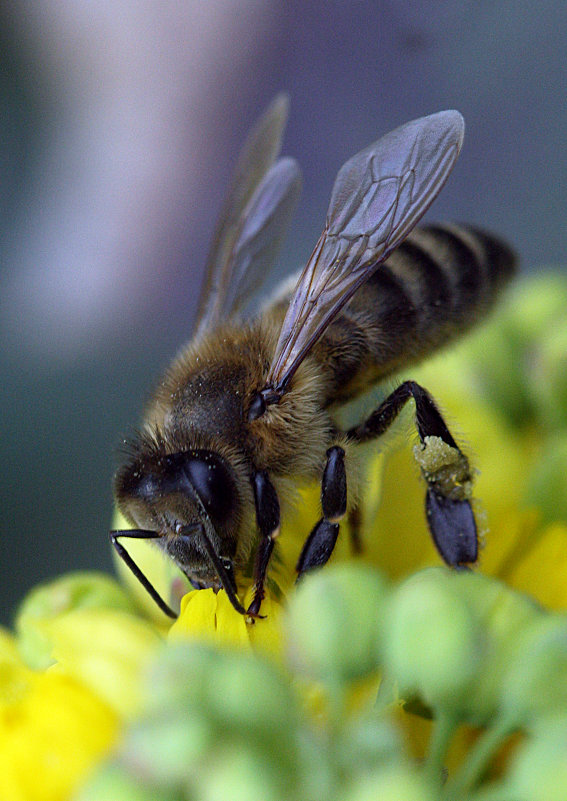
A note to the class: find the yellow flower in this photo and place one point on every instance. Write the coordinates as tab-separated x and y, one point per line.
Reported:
540	568
53	729
108	652
206	615
47	602
83	625
57	722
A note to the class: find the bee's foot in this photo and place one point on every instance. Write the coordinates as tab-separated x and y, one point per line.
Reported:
453	528
253	610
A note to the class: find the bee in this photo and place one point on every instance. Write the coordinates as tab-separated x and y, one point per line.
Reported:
248	408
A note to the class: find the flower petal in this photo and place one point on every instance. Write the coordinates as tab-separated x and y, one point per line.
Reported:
51	738
107	650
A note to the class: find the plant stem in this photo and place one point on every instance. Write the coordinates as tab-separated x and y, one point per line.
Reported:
478	760
337	711
495	792
443	729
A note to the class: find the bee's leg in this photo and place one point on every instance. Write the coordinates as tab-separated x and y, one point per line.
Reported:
320	543
268	519
444	467
354	529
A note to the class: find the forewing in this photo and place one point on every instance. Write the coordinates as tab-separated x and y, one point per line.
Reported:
260	237
245	207
378	197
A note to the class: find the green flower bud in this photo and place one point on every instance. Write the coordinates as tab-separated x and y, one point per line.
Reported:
368	742
112	782
317	777
334	623
506	349
52	599
535	309
247	691
539	772
236	690
433	642
503	615
536	684
493	359
548	374
534	304
240	772
164	749
180	676
547	487
391	783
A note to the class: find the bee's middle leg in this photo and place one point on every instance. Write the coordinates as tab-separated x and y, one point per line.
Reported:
320	543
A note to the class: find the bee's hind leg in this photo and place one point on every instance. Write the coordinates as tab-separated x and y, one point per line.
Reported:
354	523
444	467
320	543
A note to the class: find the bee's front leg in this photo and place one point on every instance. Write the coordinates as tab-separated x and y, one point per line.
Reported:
268	520
320	543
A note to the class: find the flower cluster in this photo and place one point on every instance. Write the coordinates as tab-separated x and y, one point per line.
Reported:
461	649
380	676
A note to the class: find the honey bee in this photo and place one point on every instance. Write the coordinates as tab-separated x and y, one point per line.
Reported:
248	408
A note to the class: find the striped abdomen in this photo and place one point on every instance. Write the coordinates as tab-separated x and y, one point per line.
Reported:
441	280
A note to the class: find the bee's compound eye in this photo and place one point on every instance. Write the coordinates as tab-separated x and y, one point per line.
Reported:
210	478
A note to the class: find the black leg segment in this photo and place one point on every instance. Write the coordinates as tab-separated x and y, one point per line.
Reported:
453	528
318	546
268	519
226	576
334	486
428	417
320	543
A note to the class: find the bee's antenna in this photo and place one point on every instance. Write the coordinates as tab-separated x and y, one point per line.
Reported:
140	534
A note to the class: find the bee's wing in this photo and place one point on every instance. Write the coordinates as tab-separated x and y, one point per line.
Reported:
253	220
378	197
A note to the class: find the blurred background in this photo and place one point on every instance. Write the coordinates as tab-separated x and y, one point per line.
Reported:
119	124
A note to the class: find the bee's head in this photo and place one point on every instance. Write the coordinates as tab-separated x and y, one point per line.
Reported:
178	496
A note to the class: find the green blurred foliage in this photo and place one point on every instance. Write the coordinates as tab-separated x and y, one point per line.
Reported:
224	723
